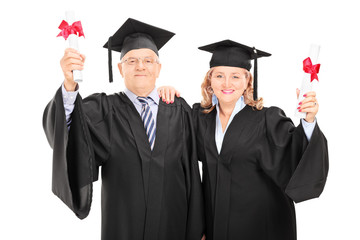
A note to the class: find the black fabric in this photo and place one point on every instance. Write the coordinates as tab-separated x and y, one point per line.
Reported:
264	165
231	57
145	194
233	54
134	34
150	37
255	76
110	59
71	180
137	41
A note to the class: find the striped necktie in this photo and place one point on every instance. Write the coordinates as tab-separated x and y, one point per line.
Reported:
148	120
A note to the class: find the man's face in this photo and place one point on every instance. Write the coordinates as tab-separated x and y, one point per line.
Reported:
140	69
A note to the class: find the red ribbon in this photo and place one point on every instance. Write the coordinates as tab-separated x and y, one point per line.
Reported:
67	29
310	68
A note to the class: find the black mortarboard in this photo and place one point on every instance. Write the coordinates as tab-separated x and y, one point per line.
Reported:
233	54
134	34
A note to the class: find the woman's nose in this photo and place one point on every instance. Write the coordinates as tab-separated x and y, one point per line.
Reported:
227	82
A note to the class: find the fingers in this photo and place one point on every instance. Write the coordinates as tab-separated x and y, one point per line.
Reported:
310	94
309	97
72	60
172	95
72	53
167	93
163	97
159	92
297	93
71	50
310	106
309	100
83	57
177	93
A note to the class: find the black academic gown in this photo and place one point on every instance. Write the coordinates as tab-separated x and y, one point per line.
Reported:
146	195
264	165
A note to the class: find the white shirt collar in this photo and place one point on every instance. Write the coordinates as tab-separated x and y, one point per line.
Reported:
219	134
133	98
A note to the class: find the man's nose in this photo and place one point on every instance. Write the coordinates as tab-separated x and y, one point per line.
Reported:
140	64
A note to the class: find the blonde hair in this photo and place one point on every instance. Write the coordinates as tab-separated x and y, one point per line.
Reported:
207	93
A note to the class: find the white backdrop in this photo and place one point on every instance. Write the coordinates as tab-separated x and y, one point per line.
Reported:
31	73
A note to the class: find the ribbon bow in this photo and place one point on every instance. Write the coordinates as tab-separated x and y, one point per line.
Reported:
67	29
310	68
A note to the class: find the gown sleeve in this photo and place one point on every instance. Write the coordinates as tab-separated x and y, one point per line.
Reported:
195	117
297	165
79	152
196	218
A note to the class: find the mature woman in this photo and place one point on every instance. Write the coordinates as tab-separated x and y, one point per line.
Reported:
256	163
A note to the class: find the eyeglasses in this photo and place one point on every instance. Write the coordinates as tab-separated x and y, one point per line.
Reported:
147	61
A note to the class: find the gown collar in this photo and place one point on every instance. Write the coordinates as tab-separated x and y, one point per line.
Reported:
219	134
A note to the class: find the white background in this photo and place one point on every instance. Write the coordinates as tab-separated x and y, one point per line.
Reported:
31	73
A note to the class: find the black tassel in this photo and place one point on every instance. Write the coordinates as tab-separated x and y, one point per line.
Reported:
255	74
110	61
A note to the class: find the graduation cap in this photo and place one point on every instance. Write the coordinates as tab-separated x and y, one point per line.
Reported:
134	34
233	54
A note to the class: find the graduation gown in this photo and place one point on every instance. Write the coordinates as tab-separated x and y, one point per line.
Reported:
145	194
265	164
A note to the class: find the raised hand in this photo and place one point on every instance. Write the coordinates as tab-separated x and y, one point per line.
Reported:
308	105
72	60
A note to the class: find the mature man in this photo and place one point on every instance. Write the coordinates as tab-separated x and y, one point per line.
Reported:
151	185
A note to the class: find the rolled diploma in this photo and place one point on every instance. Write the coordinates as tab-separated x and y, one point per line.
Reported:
73	43
307	85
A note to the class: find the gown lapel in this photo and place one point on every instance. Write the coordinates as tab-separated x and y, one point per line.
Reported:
219	168
156	174
211	153
152	163
141	140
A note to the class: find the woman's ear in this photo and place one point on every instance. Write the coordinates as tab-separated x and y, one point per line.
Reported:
247	80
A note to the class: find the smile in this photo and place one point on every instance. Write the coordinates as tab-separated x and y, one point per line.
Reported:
227	91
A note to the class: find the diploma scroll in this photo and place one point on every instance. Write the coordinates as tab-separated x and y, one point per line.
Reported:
73	43
309	83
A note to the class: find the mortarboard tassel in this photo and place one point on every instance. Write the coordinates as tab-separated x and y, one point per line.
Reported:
255	74
110	61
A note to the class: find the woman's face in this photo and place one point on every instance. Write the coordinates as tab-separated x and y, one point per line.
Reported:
228	83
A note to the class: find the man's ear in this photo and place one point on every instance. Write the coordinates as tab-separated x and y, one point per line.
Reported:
120	69
159	68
